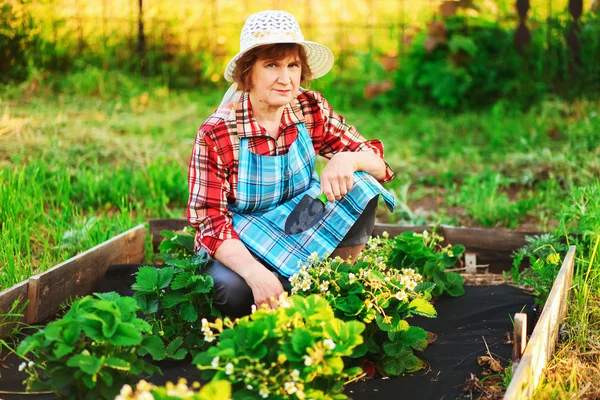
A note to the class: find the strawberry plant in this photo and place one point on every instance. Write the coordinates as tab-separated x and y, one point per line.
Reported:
173	298
217	390
424	253
90	352
379	297
293	352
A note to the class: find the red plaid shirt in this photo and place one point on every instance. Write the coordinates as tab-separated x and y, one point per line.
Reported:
213	168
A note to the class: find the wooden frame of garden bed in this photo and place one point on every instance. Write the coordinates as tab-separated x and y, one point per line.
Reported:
78	276
81	274
543	340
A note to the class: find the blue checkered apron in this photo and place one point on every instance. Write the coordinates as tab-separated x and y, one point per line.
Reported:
269	187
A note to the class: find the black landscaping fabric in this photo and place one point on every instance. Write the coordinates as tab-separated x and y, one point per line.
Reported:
464	326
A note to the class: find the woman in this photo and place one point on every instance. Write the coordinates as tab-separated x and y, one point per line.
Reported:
253	160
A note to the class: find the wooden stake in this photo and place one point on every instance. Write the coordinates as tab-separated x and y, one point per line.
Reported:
519	338
33	295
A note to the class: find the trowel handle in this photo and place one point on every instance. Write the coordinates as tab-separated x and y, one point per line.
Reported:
323	198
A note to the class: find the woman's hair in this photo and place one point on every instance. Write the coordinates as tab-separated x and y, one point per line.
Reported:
277	51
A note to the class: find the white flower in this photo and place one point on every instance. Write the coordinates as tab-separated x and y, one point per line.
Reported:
351	278
209	336
450	253
22	366
204	324
250	387
385	234
324	286
126	390
411	285
215	362
408	271
253	308
229	369
290	387
401	296
314	257
264	392
305	285
364	273
329	344
417	277
295	374
425	233
284	301
404	280
307	361
30	364
387	279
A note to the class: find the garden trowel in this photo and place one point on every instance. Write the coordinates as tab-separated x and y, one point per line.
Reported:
306	214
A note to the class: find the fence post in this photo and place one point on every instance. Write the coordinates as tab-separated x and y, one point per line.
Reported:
522	35
576	9
141	37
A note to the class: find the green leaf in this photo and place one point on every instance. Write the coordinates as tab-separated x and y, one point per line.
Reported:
88	364
128	307
181	280
422	307
60	377
301	340
423	287
350	305
71	333
404	361
393	348
172	299
179	354
216	390
174	345
455	284
413	335
146	280
188	312
117	363
107	378
126	335
203	284
165	275
155	346
62	350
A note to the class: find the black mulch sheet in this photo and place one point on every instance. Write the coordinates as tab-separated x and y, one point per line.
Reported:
463	323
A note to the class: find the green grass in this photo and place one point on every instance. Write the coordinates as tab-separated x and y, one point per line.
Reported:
83	158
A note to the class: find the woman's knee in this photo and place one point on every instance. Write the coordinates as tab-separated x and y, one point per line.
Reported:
233	296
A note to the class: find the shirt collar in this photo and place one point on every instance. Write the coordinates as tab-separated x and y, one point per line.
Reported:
247	126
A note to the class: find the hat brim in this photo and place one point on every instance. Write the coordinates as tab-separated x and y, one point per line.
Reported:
320	58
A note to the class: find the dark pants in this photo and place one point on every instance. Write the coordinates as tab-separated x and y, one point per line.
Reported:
233	296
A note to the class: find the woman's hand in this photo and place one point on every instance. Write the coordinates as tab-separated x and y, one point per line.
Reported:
337	177
265	286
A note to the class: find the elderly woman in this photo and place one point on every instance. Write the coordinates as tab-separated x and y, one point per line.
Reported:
254	159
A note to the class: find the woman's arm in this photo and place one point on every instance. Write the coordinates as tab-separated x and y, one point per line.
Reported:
337	177
264	284
332	135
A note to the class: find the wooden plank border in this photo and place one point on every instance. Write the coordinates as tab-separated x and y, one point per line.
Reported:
77	276
16	293
80	275
545	335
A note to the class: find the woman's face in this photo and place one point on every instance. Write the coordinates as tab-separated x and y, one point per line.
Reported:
275	82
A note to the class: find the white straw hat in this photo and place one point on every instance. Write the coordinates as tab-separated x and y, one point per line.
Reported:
268	27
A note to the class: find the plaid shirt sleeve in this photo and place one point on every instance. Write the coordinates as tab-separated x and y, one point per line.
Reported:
338	136
209	188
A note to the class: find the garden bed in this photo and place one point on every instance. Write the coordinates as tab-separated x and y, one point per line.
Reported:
468	326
